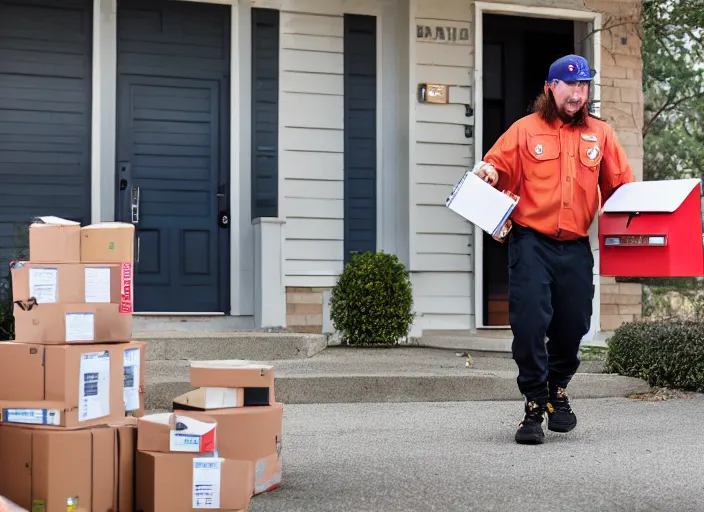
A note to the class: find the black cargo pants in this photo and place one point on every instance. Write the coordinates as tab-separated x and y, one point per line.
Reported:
550	295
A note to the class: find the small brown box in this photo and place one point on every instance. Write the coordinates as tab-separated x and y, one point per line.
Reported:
165	482
107	242
54	240
256	380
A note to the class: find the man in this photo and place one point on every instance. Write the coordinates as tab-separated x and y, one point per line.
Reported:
563	163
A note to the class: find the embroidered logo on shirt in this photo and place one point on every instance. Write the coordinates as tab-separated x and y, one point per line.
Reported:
590	138
539	149
592	153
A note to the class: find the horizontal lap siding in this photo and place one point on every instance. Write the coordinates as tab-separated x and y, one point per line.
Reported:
312	146
442	263
45	116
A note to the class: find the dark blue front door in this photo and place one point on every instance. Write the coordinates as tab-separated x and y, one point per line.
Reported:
172	158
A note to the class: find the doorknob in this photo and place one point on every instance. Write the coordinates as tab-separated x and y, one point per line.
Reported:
134	205
223	211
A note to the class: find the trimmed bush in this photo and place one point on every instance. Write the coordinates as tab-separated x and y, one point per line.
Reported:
7	321
666	354
372	301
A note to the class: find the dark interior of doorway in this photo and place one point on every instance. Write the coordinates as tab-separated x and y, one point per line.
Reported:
517	55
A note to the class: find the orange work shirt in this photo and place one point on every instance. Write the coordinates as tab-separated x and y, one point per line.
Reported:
561	172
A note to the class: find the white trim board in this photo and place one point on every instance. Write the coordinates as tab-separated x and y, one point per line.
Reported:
536	12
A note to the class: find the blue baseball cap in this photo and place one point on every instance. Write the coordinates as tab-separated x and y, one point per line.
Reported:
570	68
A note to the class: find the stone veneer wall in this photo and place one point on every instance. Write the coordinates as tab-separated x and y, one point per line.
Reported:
304	309
621	80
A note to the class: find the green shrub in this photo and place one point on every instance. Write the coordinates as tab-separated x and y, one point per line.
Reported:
372	301
667	354
21	253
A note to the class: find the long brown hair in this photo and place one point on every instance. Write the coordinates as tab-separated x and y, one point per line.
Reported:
546	108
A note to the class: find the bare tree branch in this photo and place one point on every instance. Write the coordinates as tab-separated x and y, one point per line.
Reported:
668	106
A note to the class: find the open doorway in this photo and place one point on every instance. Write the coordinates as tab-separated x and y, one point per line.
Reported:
517	54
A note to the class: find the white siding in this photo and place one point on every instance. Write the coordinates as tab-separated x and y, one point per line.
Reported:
311	146
441	259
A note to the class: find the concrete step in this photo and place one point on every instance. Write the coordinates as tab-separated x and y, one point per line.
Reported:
348	375
198	346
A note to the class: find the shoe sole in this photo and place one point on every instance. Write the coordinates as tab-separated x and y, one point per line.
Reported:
530	440
561	428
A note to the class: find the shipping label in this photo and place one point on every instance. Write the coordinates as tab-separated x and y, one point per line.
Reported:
94	386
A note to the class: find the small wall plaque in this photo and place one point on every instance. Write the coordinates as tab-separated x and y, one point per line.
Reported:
433	93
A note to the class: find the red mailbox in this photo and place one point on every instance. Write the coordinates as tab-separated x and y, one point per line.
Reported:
653	229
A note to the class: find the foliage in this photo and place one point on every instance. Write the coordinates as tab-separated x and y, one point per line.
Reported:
672	36
372	301
7	321
667	353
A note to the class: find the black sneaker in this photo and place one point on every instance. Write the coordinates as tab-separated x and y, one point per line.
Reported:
561	418
530	431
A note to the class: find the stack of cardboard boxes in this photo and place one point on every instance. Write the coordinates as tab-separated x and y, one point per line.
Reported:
72	381
223	442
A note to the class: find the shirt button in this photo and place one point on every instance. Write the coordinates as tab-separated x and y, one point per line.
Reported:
565	203
568	178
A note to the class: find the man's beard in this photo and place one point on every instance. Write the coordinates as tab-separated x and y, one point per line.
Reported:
548	111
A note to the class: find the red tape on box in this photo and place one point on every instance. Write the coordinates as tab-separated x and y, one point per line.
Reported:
126	288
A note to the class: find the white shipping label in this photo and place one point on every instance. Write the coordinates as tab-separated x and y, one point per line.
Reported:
43	285
206	482
80	327
97	287
131	367
32	416
94	386
184	442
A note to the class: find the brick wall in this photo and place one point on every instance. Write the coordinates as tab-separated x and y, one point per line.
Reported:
622	107
620	302
304	309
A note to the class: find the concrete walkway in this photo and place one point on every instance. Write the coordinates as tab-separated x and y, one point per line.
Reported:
625	455
413	374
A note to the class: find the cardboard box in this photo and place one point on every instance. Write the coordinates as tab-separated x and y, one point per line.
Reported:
42	469
261	427
161	433
256	380
167	482
60	324
71	386
126	467
107	242
73	283
54	240
205	399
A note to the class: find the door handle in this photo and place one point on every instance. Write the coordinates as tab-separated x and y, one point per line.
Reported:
223	212
134	205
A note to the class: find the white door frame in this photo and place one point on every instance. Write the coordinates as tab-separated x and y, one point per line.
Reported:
480	8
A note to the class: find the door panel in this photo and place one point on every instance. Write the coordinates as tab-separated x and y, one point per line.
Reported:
172	150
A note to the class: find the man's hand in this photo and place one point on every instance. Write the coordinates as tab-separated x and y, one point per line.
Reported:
487	172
